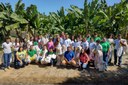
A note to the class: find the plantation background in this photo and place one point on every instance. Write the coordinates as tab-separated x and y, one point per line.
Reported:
96	16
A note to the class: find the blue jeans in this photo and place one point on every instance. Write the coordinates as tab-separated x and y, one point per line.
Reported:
115	58
110	57
15	60
23	63
53	61
105	58
7	57
83	65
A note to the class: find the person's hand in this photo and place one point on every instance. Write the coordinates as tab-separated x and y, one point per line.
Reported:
108	54
21	63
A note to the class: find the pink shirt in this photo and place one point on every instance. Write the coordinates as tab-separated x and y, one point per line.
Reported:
50	45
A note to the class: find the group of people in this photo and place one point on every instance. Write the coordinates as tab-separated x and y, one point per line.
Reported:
62	50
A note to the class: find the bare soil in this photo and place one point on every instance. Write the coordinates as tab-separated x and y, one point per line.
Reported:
37	74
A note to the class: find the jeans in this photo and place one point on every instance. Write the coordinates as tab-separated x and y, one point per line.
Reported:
83	65
105	59
7	57
110	57
53	61
115	58
21	64
15	60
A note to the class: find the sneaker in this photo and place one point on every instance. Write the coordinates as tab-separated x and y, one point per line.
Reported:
119	65
9	67
3	68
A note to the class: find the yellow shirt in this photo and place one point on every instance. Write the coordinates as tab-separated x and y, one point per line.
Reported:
21	54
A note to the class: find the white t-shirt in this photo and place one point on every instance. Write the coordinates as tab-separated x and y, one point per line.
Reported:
67	42
43	40
16	46
73	43
78	44
117	43
85	45
61	41
59	49
98	47
92	45
111	41
30	42
7	47
44	54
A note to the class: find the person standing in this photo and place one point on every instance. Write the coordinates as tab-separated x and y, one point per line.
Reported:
106	50
67	41
85	46
118	50
7	45
16	46
95	51
111	41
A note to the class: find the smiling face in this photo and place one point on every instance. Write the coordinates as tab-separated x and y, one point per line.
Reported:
21	49
119	36
104	39
31	47
82	51
7	40
69	48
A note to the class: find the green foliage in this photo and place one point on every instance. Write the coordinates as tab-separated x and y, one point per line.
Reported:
96	16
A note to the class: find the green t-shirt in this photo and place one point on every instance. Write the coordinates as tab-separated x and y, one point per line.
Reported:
105	46
50	53
35	43
41	52
88	39
31	53
97	38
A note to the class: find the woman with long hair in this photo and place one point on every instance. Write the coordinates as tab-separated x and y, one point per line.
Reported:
21	56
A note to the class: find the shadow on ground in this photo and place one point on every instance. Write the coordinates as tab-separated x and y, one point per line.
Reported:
93	77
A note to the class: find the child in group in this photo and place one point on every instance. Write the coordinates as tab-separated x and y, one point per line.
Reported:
49	58
84	59
32	55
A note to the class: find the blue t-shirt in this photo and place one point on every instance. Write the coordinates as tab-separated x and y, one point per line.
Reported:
69	55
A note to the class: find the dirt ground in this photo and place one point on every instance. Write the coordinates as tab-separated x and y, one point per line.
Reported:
38	75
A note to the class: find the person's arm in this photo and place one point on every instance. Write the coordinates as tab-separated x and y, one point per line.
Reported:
101	47
87	45
108	46
122	43
87	58
65	57
26	56
17	57
73	55
3	46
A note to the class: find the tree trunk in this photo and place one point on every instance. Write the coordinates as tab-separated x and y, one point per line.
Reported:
18	34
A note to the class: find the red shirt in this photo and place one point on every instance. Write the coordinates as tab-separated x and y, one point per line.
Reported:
83	58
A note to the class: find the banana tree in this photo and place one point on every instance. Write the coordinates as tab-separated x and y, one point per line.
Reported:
34	19
5	20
